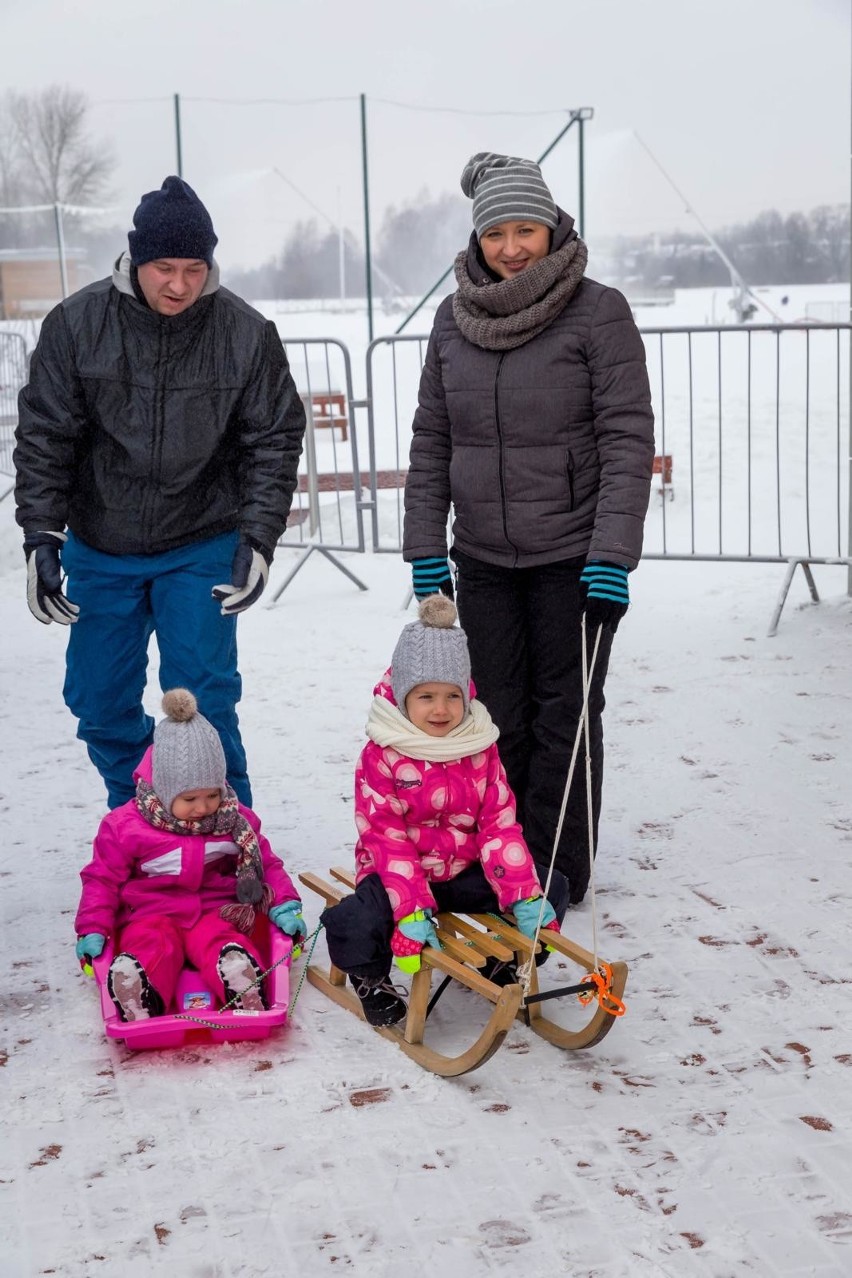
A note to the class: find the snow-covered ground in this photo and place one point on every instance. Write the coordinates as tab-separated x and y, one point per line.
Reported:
709	1134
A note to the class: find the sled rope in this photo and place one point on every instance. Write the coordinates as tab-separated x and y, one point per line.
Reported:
587	684
525	971
198	1020
313	938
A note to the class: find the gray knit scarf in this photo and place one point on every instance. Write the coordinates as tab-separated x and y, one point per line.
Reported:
501	316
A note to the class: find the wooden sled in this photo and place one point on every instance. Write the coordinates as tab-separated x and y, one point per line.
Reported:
468	941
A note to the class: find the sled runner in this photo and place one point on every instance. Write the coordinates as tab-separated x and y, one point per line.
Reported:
468	942
195	1015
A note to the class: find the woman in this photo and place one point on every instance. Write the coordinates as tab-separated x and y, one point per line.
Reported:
535	423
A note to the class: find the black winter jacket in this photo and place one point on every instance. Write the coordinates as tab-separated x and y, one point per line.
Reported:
144	432
545	451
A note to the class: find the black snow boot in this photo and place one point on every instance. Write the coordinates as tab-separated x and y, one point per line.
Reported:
381	1002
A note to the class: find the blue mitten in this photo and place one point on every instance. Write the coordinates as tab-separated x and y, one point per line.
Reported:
429	576
603	590
89	947
288	918
410	935
420	926
526	915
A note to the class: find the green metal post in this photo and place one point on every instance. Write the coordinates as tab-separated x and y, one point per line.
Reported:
581	198
368	261
60	249
177	136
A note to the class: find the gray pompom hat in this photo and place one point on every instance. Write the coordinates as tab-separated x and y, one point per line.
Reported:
188	754
506	188
432	649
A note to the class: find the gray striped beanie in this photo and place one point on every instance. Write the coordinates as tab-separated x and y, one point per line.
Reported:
188	753
431	650
505	188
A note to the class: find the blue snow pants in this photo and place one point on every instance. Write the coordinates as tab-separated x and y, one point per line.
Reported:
123	600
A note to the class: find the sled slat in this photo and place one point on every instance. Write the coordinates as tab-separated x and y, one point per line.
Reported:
483	941
506	932
467	975
571	950
458	950
332	894
343	875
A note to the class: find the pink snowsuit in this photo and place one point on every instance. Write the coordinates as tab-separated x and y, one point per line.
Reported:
159	893
421	822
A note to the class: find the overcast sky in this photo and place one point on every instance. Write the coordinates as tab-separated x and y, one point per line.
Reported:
744	103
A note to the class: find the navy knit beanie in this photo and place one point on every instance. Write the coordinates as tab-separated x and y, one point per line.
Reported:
171	222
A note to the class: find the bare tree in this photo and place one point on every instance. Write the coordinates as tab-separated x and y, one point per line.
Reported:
57	160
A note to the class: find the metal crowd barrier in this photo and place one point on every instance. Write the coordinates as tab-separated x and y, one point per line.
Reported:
751	436
755	423
13	375
326	514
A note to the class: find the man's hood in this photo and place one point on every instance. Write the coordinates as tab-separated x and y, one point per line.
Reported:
122	281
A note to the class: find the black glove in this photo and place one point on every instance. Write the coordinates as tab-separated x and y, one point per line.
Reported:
44	579
429	576
603	590
249	574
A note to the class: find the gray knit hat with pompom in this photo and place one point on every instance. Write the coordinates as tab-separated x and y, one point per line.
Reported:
188	754
431	650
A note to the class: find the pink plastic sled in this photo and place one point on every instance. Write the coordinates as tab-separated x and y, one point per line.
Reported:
195	1016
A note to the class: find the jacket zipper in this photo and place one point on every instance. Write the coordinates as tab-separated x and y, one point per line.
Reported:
503	503
157	441
570	481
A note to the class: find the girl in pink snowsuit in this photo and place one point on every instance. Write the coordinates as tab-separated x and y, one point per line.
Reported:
436	818
180	872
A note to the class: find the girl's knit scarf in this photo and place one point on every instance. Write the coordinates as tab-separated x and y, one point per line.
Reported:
389	727
252	893
506	314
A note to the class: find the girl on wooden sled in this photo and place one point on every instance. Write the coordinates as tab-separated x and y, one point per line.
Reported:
181	872
436	820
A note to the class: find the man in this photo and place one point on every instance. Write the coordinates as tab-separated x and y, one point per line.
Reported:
162	429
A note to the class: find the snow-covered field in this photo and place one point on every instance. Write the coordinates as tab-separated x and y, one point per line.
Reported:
709	1134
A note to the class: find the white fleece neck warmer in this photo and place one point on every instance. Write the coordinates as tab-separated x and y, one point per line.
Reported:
388	726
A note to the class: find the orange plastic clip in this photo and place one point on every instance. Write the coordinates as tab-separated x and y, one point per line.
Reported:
601	989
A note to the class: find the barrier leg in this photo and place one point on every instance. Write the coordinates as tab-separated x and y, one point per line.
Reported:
785	589
303	559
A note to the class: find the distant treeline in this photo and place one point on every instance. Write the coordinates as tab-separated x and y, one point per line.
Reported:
417	242
802	248
413	247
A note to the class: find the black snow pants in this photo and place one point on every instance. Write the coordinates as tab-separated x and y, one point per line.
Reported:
359	929
523	629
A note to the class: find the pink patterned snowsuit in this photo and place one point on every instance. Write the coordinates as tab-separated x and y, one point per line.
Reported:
159	893
421	822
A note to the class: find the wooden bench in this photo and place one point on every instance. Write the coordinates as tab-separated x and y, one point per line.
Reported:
327	408
663	465
344	481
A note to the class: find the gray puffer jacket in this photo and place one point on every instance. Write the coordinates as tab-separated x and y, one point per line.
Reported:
545	452
143	432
